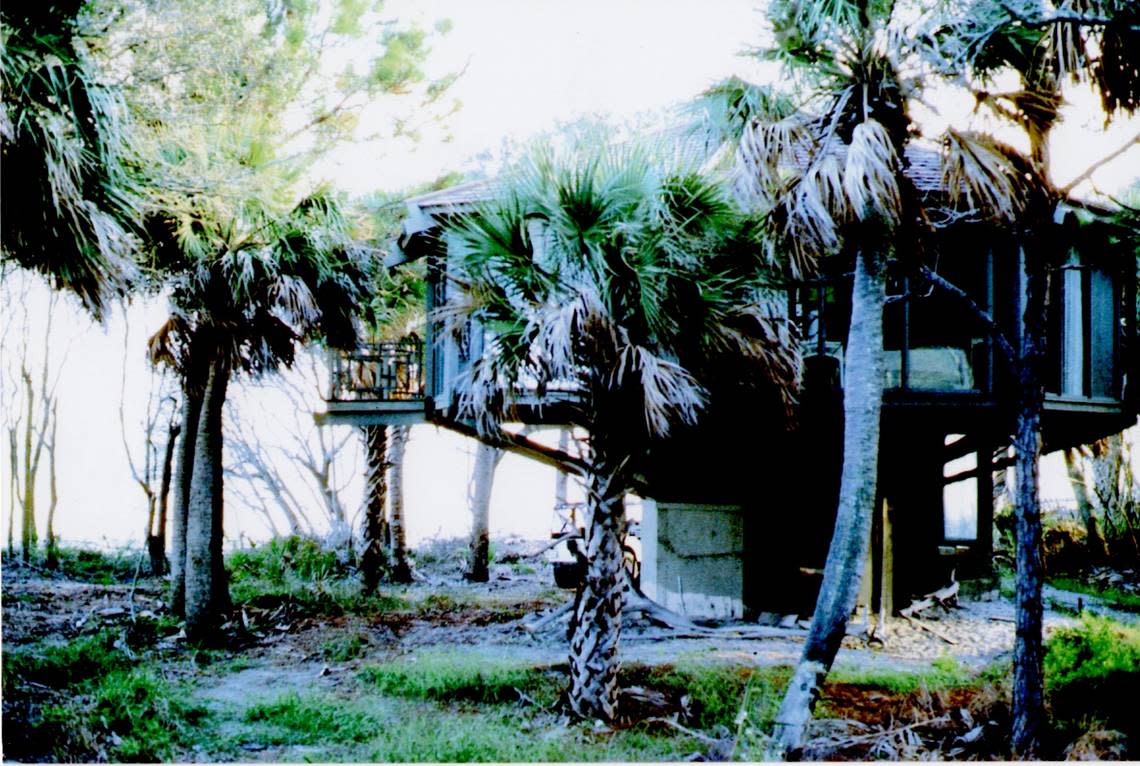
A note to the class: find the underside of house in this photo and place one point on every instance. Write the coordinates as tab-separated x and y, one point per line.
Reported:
739	511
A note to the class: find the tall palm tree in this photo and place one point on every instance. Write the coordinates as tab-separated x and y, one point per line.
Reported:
1097	43
245	292
826	170
71	204
628	284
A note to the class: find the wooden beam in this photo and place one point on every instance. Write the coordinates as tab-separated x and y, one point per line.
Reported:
556	458
887	572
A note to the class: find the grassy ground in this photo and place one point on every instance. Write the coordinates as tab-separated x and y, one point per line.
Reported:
316	671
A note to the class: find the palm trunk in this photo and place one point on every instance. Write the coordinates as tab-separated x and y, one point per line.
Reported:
862	404
1093	541
1028	677
374	559
207	596
401	571
183	478
596	627
482	482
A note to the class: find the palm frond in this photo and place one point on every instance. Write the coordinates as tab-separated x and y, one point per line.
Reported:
870	175
984	174
670	393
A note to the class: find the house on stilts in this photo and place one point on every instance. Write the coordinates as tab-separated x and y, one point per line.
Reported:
738	513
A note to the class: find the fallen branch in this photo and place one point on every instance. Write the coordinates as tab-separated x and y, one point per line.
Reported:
704	738
553	543
542	622
880	735
943	597
636	601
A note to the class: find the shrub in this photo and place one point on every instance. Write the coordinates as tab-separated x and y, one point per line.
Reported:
1092	671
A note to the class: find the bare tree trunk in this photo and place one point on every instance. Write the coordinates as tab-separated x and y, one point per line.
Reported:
1074	466
206	590
13	488
862	405
183	479
28	536
401	570
156	543
374	559
1028	677
479	497
596	626
50	543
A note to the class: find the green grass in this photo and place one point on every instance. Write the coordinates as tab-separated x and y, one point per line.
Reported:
437	736
102	702
944	673
345	648
147	715
293	719
1117	599
62	665
445	677
91	566
306	578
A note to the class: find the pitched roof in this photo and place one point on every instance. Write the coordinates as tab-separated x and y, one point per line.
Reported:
924	168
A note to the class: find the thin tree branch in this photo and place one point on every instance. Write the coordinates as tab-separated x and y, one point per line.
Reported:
1084	176
979	313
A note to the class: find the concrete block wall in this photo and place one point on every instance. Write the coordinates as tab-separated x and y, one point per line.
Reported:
693	558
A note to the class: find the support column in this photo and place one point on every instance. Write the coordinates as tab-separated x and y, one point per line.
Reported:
693	558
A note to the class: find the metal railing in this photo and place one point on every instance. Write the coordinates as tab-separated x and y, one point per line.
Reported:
388	371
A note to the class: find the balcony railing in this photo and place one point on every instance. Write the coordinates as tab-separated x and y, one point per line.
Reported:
388	371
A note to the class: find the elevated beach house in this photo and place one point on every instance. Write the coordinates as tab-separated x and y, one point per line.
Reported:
738	515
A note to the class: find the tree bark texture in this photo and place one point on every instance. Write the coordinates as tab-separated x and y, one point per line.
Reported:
1028	677
401	570
374	559
183	478
207	596
862	405
596	626
479	497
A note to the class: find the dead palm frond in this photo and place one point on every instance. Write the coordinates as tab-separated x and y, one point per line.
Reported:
870	175
977	170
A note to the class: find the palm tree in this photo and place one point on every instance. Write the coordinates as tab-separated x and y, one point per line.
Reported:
71	202
826	171
627	284
245	292
1096	43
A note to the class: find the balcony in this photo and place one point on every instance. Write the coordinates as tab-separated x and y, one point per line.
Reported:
377	383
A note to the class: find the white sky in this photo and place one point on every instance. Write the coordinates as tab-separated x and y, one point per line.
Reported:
529	65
